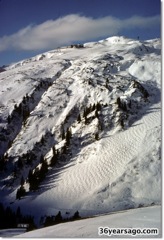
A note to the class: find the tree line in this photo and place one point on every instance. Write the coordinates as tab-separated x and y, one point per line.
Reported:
10	218
52	220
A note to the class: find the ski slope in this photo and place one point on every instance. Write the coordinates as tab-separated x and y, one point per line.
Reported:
119	171
137	218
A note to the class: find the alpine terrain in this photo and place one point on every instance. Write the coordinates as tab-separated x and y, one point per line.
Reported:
80	130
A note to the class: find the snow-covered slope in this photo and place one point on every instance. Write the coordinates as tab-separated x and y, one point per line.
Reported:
136	220
111	159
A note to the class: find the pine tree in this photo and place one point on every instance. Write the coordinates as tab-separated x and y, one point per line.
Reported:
9	119
28	157
106	84
22	181
34	180
54	150
79	118
15	107
49	221
63	134
86	120
122	123
98	106
2	163
53	161
54	157
26	113
24	100
30	221
2	216
58	218
64	149
20	163
41	158
27	97
16	110
84	114
30	176
42	140
76	216
90	108
100	126
43	170
87	111
124	107
18	216
68	136
96	114
119	102
20	192
6	156
94	107
97	136
15	172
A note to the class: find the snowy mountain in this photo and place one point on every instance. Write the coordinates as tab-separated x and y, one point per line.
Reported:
80	129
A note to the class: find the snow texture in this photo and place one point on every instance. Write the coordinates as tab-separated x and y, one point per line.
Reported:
120	170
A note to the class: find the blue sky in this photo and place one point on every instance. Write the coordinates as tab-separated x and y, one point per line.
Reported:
29	27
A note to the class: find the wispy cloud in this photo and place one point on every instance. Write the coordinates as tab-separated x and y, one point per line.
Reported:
74	27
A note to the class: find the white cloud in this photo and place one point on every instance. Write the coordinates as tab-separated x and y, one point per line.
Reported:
54	33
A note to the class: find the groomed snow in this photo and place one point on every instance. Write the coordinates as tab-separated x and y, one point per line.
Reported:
142	218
